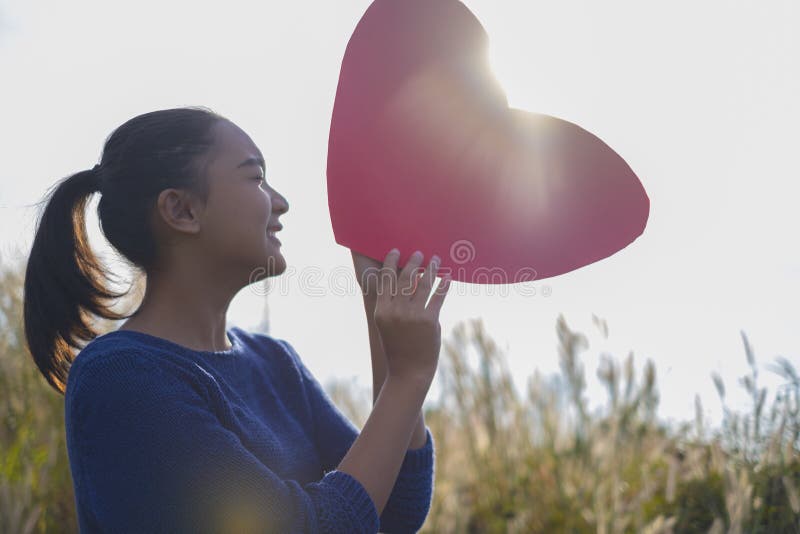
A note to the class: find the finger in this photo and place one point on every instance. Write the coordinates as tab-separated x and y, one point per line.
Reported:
425	281
367	271
437	299
363	261
406	279
387	281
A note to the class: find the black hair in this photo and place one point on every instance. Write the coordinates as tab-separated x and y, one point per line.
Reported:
64	281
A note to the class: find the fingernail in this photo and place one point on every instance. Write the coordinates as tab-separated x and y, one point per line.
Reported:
394	251
436	259
417	254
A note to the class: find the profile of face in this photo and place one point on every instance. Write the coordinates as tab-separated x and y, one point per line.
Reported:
234	230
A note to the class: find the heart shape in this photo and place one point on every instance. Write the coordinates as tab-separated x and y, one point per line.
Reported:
425	154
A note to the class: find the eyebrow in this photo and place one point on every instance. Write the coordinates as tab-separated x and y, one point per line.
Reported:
254	161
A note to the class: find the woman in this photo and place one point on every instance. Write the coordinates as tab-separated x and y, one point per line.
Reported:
176	423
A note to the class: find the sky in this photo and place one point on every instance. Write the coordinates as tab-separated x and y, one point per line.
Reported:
699	98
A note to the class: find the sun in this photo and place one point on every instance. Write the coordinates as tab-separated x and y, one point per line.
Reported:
508	75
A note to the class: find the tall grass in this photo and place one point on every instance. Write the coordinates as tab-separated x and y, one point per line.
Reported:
35	483
541	462
505	462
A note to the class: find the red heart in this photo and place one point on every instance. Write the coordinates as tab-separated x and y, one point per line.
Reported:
425	154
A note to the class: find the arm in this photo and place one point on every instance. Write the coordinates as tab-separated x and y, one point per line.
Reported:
410	499
366	276
418	438
149	455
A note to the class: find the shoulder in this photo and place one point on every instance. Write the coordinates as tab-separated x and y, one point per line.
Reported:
267	345
278	353
114	355
104	358
108	368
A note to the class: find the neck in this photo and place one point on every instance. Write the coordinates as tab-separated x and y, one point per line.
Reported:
186	306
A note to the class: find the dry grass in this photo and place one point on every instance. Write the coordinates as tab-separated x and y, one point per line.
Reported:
543	463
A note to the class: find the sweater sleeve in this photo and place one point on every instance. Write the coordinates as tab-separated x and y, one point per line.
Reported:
410	499
149	455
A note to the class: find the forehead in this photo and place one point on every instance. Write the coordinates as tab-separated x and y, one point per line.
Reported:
232	146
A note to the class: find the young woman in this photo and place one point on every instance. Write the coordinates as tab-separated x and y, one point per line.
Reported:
177	423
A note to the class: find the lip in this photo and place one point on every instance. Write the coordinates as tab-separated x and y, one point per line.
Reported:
272	231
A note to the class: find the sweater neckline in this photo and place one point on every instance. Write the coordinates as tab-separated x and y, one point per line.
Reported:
236	344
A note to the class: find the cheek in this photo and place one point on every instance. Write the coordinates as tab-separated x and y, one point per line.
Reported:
254	209
257	204
267	205
240	219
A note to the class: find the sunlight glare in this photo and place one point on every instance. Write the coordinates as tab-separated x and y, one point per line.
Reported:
506	72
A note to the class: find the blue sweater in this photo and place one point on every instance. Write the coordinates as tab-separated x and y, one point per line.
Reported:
162	438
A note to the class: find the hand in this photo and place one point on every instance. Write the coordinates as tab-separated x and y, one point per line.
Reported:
410	332
367	272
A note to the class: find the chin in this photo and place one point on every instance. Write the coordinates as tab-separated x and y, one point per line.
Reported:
274	265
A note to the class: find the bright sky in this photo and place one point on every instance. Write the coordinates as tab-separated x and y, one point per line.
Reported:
700	99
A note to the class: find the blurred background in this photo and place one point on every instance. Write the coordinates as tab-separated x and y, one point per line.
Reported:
652	391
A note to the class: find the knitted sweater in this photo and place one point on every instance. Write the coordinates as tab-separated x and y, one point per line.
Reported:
162	438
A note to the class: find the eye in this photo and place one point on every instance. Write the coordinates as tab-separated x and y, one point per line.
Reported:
260	178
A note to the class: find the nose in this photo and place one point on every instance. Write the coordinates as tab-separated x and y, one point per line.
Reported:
279	203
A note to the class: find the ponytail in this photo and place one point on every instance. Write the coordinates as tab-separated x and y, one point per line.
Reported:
64	281
62	277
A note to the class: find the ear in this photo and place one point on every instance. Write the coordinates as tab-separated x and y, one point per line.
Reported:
179	210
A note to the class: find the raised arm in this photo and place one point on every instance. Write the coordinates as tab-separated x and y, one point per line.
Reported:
334	434
366	272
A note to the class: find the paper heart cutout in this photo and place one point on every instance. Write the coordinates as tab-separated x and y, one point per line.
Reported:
425	154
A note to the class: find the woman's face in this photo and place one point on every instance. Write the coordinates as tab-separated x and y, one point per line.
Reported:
243	208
